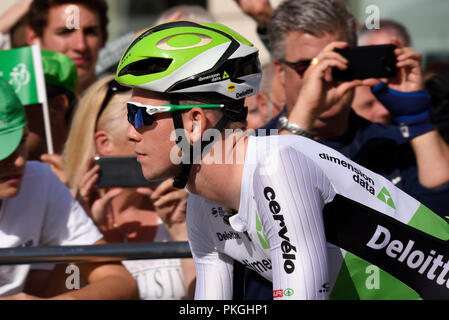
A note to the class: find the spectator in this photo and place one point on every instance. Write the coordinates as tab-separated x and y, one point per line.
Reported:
438	86
365	103
10	19
301	30
55	25
268	102
127	215
61	80
48	215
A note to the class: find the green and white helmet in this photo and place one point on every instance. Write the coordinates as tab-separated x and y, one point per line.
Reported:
198	61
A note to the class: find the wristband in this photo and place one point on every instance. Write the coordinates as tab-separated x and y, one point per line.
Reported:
411	110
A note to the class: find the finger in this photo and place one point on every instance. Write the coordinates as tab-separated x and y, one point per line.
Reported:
332	55
409	63
147	191
88	165
111	194
344	87
168	198
53	159
405	55
328	71
322	66
335	45
164	187
371	82
87	175
395	41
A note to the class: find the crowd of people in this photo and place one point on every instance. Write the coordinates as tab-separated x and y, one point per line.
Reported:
328	166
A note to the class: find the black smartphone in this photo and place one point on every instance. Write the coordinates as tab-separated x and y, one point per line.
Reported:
378	61
123	172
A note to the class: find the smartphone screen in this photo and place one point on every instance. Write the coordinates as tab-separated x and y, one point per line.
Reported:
123	172
378	61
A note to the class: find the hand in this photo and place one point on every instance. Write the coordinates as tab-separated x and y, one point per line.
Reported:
170	204
260	10
318	91
90	197
13	14
409	77
56	163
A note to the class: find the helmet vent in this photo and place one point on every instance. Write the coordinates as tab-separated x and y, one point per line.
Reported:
146	66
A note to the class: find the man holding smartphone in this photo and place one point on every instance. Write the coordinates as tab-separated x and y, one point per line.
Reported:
303	37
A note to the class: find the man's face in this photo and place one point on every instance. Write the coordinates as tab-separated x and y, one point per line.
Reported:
367	106
81	44
152	144
36	141
12	170
303	46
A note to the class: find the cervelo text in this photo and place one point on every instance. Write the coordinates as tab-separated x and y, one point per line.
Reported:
286	246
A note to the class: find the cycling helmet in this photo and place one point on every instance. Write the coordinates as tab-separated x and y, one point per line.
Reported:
194	60
204	62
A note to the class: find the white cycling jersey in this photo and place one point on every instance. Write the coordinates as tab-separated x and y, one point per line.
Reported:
307	217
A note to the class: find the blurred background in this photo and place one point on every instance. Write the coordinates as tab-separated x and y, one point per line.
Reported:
426	20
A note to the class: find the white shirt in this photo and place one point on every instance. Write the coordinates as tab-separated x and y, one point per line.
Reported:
288	182
44	213
158	279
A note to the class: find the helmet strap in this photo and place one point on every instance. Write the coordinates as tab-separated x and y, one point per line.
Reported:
180	180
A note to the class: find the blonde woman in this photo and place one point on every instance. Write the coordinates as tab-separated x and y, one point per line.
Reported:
126	215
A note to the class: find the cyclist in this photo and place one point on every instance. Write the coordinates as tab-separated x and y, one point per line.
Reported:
313	222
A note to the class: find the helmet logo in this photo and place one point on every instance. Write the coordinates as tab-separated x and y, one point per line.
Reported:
225	75
183	41
231	87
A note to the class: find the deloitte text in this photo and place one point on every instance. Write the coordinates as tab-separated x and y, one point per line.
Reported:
359	177
435	268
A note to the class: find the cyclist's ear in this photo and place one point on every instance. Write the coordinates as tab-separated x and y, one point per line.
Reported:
195	122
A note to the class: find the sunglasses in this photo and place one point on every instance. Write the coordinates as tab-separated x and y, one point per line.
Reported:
140	115
113	87
299	66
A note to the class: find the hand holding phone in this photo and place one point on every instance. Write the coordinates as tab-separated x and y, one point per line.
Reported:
364	62
123	172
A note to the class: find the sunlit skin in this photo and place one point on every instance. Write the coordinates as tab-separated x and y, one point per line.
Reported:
303	46
367	106
81	44
254	119
12	170
154	145
153	157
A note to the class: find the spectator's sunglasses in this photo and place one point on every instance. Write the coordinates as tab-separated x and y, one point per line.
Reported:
113	87
140	115
299	66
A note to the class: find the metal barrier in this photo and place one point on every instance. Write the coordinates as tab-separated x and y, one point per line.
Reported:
95	253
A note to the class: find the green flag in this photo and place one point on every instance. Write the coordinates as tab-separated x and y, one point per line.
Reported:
22	68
